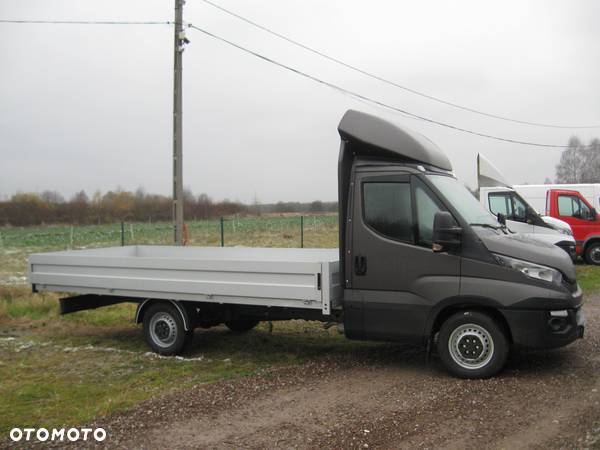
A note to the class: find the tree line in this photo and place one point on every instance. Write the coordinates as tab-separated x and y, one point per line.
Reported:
579	163
50	207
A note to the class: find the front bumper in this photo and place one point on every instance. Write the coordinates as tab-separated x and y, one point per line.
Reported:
559	325
541	329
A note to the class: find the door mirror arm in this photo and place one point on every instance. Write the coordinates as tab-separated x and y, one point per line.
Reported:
501	218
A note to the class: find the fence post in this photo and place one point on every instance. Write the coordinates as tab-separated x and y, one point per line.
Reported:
122	234
301	231
222	233
72	233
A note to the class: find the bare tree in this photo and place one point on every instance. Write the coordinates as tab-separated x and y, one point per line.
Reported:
569	168
316	207
52	197
590	172
579	163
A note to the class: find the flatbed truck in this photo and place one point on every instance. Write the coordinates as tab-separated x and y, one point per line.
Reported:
419	261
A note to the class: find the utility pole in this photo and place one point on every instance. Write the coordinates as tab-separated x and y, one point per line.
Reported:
179	42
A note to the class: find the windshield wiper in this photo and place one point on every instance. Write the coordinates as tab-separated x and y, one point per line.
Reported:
504	229
486	225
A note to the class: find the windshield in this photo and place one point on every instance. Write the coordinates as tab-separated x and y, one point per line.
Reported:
463	201
527	205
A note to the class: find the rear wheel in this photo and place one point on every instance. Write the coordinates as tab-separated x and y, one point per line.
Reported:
472	345
592	254
241	324
164	330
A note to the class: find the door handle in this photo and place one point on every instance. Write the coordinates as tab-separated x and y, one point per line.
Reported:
360	265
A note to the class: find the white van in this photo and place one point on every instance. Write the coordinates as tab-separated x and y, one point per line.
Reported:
497	196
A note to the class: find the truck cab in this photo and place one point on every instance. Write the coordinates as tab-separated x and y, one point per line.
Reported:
422	261
536	193
573	208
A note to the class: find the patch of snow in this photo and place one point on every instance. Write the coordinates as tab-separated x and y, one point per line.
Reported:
28	344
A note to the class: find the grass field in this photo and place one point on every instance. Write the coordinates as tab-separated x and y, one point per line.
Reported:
65	370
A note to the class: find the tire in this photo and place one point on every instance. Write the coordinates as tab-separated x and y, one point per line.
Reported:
472	345
592	254
164	331
241	324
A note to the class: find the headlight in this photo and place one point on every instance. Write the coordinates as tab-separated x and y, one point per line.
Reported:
563	228
566	231
530	269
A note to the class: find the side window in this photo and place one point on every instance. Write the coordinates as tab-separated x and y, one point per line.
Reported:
566	206
584	210
519	208
427	207
499	204
388	210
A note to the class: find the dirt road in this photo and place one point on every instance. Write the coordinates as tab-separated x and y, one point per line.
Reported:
390	399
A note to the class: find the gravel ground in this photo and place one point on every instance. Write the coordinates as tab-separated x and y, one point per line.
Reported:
390	399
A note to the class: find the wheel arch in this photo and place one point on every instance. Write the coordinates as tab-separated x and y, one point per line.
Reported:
454	305
143	307
590	240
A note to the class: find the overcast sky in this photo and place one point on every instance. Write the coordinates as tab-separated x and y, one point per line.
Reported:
90	107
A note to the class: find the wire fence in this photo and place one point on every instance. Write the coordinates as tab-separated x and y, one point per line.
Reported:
16	243
282	231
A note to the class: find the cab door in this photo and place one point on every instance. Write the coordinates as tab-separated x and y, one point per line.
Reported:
395	273
513	209
576	212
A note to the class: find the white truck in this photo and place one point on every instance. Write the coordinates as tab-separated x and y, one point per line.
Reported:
498	197
535	194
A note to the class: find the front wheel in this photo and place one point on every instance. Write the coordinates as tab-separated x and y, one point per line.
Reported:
592	254
472	345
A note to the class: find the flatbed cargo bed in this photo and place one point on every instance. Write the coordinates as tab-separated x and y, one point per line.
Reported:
283	277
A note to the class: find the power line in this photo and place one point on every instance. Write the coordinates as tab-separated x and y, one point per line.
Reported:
386	81
304	74
86	22
369	99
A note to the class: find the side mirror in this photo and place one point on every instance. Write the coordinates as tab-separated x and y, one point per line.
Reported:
593	214
446	234
501	219
531	215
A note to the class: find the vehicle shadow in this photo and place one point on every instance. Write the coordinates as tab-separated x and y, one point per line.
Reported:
302	341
